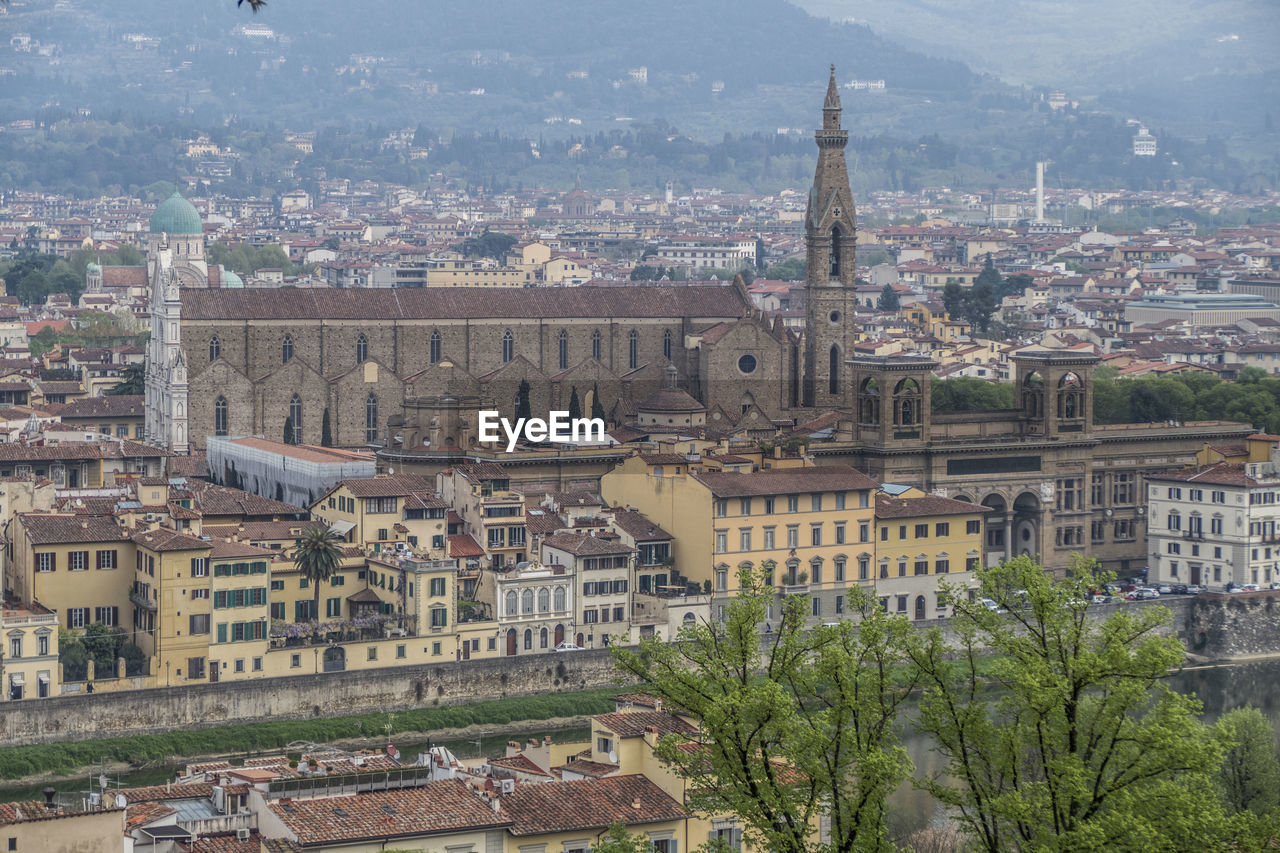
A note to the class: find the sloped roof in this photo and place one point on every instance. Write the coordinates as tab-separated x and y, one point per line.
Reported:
589	804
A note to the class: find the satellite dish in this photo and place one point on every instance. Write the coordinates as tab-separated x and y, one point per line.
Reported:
102	781
613	757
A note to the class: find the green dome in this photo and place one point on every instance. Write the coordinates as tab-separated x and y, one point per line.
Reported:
176	215
231	279
92	267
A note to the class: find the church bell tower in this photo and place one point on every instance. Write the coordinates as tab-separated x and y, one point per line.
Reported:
830	247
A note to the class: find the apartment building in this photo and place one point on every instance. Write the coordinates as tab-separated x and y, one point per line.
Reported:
601	567
921	541
491	512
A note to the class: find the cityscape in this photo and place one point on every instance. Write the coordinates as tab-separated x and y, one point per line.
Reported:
459	457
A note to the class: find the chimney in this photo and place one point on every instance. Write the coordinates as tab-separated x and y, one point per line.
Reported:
635	804
657	704
49	794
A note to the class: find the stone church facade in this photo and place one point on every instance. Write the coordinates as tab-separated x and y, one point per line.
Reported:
406	371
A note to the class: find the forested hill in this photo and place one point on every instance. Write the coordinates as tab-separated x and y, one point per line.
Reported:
373	59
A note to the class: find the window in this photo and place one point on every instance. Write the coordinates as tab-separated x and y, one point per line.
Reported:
1123	489
769	538
544	600
922	567
744	539
902	604
815	503
864	568
295	660
562	348
77	617
744	506
295	417
557	598
215	348
526	601
839	604
106	559
768	506
595	344
362	349
109	616
793	536
15	647
942	566
46	562
902	567
220	416
371	418
1175	521
1098	489
508	346
199	567
722	509
793	503
815	535
840	500
77	561
400	652
722	541
840	533
1175	494
973	527
942	528
922	531
1069	493
816	605
198	623
437	586
433	349
286	349
633	349
332	608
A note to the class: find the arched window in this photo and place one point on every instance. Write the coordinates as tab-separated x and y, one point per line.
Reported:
528	639
508	346
906	403
371	418
666	344
526	601
869	403
562	349
542	638
220	416
511	602
295	415
215	348
833	370
595	344
835	251
544	600
558	598
433	351
286	349
362	349
633	349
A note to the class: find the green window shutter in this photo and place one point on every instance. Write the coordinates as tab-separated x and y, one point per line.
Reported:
222	632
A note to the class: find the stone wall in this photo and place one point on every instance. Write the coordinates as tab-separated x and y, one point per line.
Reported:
1211	627
300	697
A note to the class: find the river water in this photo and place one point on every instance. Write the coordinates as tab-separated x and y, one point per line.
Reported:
1220	689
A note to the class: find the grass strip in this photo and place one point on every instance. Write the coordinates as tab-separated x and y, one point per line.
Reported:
17	762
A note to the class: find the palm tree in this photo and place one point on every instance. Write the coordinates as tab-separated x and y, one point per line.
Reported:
318	554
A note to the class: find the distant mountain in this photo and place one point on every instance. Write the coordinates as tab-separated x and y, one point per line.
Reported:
374	60
1092	47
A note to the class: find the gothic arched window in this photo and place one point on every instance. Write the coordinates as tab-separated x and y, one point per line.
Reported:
508	346
371	418
544	600
220	416
595	344
528	639
286	349
526	601
558	598
215	348
835	251
633	349
433	352
562	348
666	344
295	415
542	639
833	370
362	349
511	602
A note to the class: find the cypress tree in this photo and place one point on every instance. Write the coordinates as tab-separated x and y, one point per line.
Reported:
575	405
597	408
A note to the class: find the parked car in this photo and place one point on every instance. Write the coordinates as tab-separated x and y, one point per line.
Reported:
1101	598
1275	585
1165	589
1144	593
567	646
990	604
1194	589
1180	589
1250	587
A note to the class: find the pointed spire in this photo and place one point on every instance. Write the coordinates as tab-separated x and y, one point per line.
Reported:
833	92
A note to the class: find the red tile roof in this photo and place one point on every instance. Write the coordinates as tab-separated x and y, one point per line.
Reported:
589	804
783	481
633	723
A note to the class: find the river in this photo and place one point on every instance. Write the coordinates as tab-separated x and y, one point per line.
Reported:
1220	688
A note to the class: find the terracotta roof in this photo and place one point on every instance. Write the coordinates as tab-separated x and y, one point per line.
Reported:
589	804
438	807
519	762
663	459
224	842
1222	474
704	301
116	406
634	723
162	539
224	549
580	544
208	499
67	529
578	498
887	507
545	522
638	526
261	531
189	791
587	767
137	814
463	545
785	481
388	486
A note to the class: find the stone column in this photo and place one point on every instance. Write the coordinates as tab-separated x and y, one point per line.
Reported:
1008	535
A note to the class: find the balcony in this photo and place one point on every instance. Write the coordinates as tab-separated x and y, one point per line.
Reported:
141	599
1197	535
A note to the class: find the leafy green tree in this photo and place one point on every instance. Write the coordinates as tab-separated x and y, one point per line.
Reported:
326	429
792	269
800	726
318	555
127	255
970	394
134	381
1083	747
72	656
953	299
490	244
597	408
616	839
1250	771
1014	285
33	288
289	435
888	300
102	643
575	405
980	302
